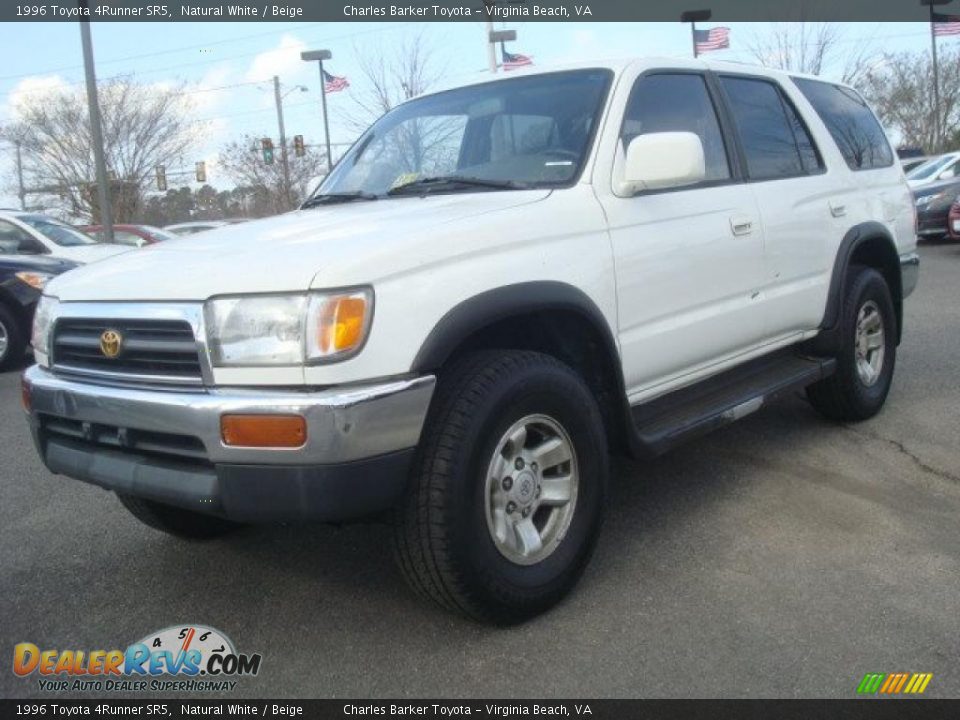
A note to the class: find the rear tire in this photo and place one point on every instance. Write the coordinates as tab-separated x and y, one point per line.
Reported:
464	533
868	352
176	521
12	342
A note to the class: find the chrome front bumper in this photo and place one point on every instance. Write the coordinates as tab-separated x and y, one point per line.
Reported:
343	423
166	446
909	272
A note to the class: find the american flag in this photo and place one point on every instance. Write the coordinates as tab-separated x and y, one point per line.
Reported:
946	24
512	61
332	84
716	38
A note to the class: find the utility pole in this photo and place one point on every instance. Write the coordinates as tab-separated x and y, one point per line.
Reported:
21	193
96	131
283	139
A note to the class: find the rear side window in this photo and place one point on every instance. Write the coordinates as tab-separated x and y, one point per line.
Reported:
853	126
677	103
774	139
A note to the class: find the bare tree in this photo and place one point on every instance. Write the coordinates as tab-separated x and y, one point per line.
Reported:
244	162
389	78
814	48
143	126
901	91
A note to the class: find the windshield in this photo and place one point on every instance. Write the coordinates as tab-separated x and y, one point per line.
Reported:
929	168
61	234
526	131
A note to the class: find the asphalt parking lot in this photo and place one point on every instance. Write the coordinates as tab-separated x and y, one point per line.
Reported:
781	557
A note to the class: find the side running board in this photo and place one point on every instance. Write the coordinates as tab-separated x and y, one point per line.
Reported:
664	423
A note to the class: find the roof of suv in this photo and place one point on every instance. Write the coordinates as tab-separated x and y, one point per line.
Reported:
620	64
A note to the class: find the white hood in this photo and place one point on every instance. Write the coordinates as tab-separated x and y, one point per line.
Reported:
90	253
284	253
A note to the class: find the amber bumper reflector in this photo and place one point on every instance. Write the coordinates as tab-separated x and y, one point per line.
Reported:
264	431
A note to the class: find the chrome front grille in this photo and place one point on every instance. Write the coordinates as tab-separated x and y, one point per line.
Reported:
151	350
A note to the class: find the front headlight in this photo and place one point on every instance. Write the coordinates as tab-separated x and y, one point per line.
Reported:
256	330
43	318
37	280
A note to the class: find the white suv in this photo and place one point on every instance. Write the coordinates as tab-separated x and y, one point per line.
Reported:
30	233
496	285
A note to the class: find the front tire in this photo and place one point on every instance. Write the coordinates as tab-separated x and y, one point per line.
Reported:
868	352
12	343
176	521
507	491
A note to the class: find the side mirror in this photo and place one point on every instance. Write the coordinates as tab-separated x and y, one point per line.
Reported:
662	160
947	174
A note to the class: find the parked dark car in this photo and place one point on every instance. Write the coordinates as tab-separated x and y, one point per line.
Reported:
133	235
22	279
933	205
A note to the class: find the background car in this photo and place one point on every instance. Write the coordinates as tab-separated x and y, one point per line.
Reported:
25	233
953	220
942	167
909	164
933	206
22	280
132	235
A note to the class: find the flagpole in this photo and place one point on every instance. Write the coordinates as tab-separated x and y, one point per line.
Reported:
326	120
691	16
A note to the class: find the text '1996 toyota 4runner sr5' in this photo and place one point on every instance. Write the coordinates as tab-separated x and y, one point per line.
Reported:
497	285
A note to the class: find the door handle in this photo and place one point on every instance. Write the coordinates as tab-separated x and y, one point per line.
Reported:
838	210
741	225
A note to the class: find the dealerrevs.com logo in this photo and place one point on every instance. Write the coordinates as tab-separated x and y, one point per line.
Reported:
177	658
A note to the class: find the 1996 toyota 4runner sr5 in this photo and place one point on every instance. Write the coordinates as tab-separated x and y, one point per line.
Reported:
494	287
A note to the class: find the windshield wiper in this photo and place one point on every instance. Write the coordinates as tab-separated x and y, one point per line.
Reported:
448	182
340	197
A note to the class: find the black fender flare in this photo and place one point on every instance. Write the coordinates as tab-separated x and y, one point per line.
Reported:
485	309
854	238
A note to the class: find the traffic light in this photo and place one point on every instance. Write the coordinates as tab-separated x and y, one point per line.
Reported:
299	149
201	171
161	178
267	145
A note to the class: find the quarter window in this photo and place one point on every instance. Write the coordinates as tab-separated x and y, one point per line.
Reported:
853	126
775	142
677	103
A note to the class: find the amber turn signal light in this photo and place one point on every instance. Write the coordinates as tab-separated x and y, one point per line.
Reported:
263	431
25	393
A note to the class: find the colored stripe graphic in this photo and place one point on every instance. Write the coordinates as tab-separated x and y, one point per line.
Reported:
894	683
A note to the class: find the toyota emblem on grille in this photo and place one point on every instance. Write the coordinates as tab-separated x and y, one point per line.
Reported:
110	343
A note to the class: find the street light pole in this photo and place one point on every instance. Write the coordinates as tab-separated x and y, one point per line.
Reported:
320	56
283	139
491	48
96	131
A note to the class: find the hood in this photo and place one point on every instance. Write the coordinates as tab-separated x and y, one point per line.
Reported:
36	263
283	253
91	253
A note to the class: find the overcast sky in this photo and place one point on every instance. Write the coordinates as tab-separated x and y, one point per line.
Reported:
245	56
